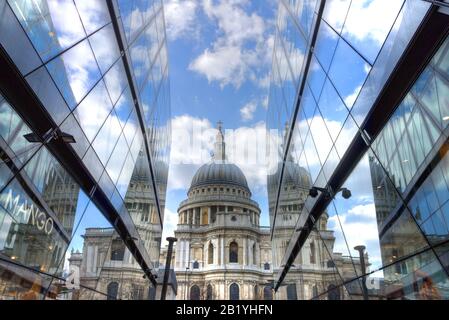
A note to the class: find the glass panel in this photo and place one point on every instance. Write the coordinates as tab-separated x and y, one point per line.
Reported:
325	46
105	47
29	233
348	73
48	29
75	72
15	41
333	110
335	13
368	24
94	14
106	139
93	110
115	80
50	97
12	131
71	126
116	160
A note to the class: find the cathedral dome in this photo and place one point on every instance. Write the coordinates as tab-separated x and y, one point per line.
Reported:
219	172
294	174
297	175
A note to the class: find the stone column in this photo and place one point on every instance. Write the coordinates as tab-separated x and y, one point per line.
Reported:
222	251
245	251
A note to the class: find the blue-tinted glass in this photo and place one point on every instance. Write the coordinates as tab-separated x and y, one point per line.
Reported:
348	73
325	46
107	137
75	72
52	26
333	109
316	78
93	110
94	14
116	81
42	84
105	47
15	41
117	159
12	131
368	24
335	13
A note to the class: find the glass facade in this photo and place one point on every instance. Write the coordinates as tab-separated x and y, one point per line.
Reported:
82	219
329	73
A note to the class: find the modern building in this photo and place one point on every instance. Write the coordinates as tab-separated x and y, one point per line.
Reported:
222	252
84	147
364	86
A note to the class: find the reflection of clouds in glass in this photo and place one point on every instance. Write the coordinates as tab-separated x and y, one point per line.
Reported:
360	228
125	176
51	25
107	137
105	47
94	14
65	21
116	82
371	19
93	110
117	159
75	72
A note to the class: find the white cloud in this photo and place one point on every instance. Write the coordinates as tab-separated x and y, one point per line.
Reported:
192	144
170	222
247	111
350	100
265	102
242	50
360	228
371	19
180	16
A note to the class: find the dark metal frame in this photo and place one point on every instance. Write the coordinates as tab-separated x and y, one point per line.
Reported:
414	60
25	102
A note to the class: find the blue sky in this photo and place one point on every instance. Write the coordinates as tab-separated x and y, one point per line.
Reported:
220	61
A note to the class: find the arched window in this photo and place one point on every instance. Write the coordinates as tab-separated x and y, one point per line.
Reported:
254	254
312	253
256	292
333	293
266	266
195	293
210	253
112	291
291	292
209	293
196	265
233	252
267	293
234	292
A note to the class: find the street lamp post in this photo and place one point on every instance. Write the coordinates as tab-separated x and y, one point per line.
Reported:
170	240
361	250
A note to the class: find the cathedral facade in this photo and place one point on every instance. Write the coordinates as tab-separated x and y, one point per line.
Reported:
222	252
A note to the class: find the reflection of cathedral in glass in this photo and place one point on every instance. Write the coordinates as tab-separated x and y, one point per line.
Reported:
105	263
315	267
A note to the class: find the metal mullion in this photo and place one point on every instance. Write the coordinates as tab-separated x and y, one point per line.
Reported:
306	67
137	105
